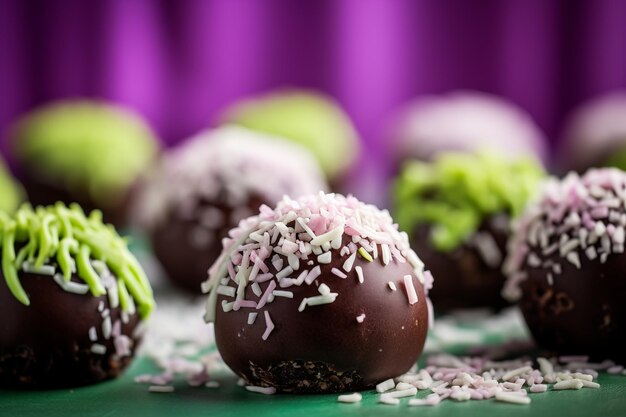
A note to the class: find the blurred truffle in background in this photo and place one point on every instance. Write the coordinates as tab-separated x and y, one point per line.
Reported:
457	210
204	187
595	134
309	118
11	192
88	152
463	121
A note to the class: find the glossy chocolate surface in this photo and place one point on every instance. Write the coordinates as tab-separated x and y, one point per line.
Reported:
47	344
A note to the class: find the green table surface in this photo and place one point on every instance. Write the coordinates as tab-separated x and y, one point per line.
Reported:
124	397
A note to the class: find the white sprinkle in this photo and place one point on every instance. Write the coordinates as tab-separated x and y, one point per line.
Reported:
538	388
279	293
325	258
98	349
350	398
568	384
312	276
93	336
106	328
226	290
101	306
410	392
261	390
392	286
256	289
269	325
327	237
386	254
337	272
508	397
385	386
164	389
252	317
516	372
545	366
573	258
212	384
360	318
387	399
43	270
284	273
410	289
359	274
589	384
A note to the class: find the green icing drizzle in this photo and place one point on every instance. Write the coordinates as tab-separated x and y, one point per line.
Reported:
88	146
64	236
455	192
310	119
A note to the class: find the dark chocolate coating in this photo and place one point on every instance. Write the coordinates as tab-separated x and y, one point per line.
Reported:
45	192
464	279
584	312
186	265
324	349
46	344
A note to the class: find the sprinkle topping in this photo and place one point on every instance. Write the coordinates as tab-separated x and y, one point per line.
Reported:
315	229
580	218
62	241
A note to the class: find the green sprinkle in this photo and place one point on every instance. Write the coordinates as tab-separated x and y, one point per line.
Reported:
8	267
456	191
365	255
65	237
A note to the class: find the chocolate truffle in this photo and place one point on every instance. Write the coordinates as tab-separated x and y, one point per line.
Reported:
72	296
458	209
207	185
321	294
308	118
566	265
464	121
595	134
87	152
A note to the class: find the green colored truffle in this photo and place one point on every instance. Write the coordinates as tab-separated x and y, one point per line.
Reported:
87	146
11	194
308	118
457	191
59	241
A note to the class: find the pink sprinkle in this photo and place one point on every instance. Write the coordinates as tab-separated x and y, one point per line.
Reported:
269	325
410	289
244	303
338	273
317	224
600	212
122	345
428	280
270	287
264	277
289	247
312	276
117	329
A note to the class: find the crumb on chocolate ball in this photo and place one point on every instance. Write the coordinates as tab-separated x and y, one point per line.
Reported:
73	297
566	265
83	151
207	185
457	209
321	294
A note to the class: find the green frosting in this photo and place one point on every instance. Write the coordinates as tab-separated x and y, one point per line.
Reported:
11	194
62	240
88	146
457	191
310	119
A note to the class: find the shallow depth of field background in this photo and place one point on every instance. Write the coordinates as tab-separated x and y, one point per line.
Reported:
179	63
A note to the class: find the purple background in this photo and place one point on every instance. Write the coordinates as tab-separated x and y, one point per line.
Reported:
180	62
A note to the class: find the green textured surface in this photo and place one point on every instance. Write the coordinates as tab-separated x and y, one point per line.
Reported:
123	398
